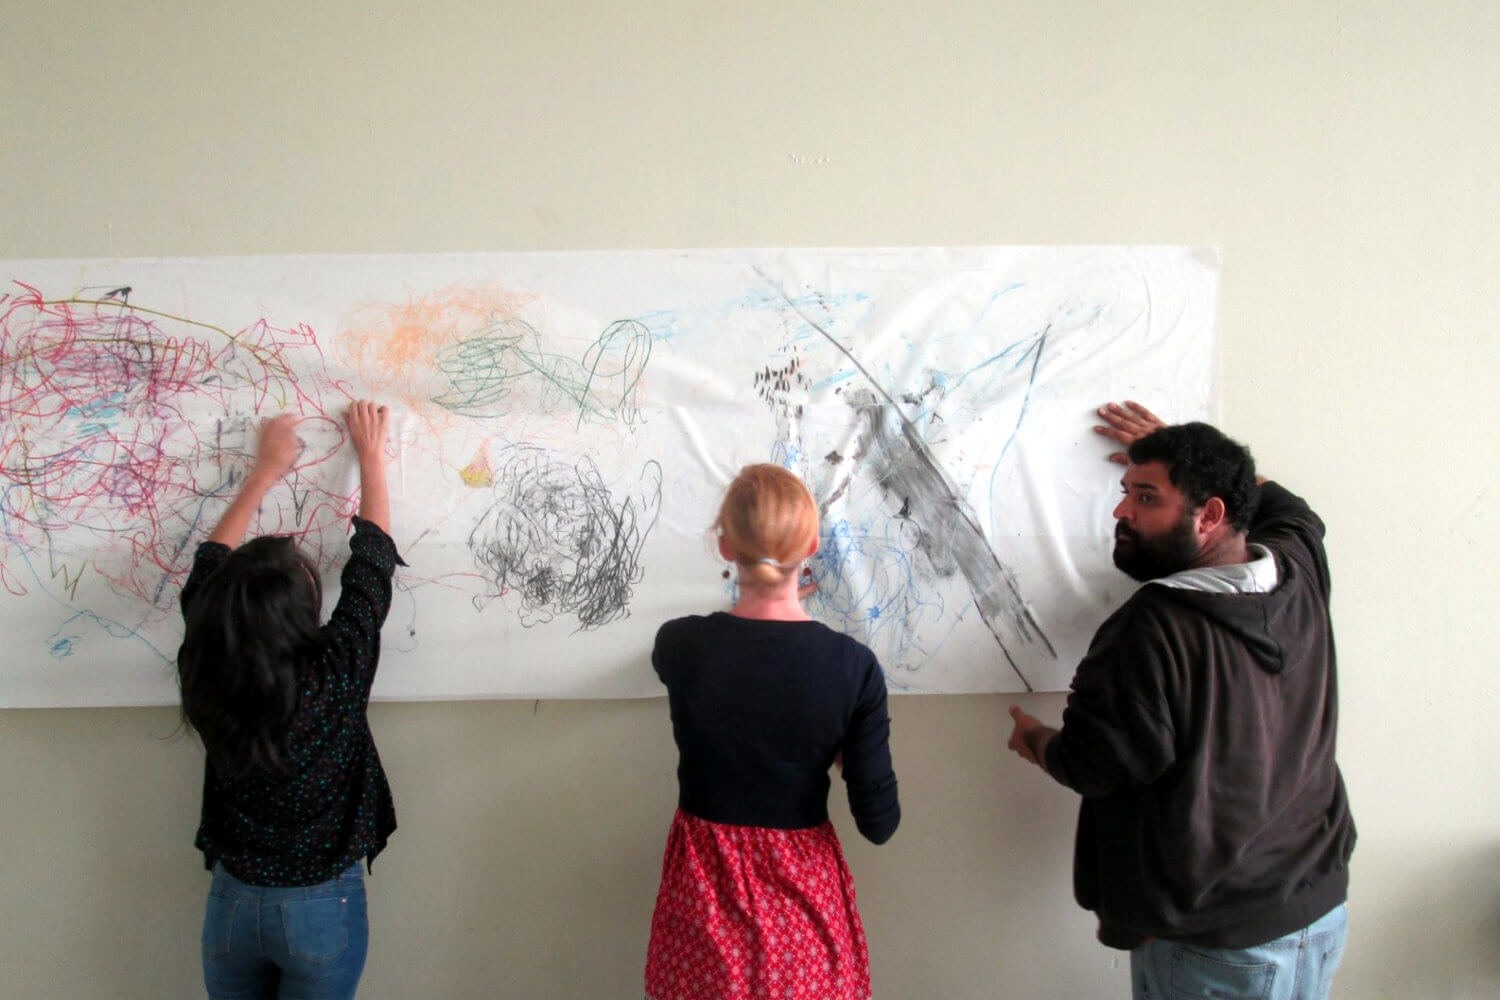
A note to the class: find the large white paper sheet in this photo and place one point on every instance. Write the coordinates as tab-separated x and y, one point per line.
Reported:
564	426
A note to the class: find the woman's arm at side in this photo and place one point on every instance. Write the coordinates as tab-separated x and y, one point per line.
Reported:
868	773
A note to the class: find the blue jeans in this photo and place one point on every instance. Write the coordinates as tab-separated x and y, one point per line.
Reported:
304	943
1299	966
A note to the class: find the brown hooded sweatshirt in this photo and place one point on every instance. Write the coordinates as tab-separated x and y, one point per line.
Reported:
1200	731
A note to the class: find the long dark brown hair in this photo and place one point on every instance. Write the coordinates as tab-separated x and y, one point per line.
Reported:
252	633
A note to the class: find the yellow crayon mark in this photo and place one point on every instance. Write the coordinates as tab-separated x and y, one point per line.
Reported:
478	473
70	578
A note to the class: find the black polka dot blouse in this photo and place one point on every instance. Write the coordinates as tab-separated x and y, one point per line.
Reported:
334	807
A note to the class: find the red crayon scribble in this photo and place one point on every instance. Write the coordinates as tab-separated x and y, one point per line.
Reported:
125	430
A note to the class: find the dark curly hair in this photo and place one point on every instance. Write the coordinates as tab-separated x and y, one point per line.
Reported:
1202	462
252	632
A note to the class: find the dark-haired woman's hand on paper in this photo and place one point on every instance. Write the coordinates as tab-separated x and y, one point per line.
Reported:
276	450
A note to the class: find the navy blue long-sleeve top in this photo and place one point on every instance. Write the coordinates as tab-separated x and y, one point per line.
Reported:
760	709
334	806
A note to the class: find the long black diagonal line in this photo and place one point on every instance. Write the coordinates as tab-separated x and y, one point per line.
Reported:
913	438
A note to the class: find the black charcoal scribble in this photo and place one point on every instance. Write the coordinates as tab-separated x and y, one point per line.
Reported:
775	386
892	449
950	538
559	538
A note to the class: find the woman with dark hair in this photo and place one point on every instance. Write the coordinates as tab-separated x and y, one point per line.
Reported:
294	795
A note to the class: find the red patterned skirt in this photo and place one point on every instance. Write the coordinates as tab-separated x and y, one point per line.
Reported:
751	913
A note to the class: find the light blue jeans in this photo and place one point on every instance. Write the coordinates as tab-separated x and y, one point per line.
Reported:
1299	966
304	943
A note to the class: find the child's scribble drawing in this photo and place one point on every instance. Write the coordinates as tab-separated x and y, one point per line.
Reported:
483	371
564	424
558	536
121	422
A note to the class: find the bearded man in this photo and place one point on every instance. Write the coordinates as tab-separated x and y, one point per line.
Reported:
1214	832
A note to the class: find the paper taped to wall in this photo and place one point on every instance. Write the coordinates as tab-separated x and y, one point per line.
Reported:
564	424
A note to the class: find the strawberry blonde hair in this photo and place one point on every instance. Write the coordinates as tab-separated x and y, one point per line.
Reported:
769	521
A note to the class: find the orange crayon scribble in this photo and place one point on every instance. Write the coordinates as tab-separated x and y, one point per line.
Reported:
395	345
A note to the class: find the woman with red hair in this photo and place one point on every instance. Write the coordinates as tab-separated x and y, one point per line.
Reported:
756	899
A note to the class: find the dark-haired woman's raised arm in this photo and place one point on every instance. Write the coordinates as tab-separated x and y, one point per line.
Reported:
275	452
366	422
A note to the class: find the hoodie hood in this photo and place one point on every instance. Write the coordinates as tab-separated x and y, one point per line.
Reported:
1258	619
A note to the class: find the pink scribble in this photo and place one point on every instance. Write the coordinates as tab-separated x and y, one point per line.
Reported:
124	431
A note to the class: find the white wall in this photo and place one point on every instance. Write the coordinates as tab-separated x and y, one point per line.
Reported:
1344	156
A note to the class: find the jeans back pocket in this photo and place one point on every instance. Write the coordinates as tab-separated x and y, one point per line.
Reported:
1197	976
317	930
218	925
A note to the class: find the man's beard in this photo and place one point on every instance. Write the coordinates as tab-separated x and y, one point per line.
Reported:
1155	557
